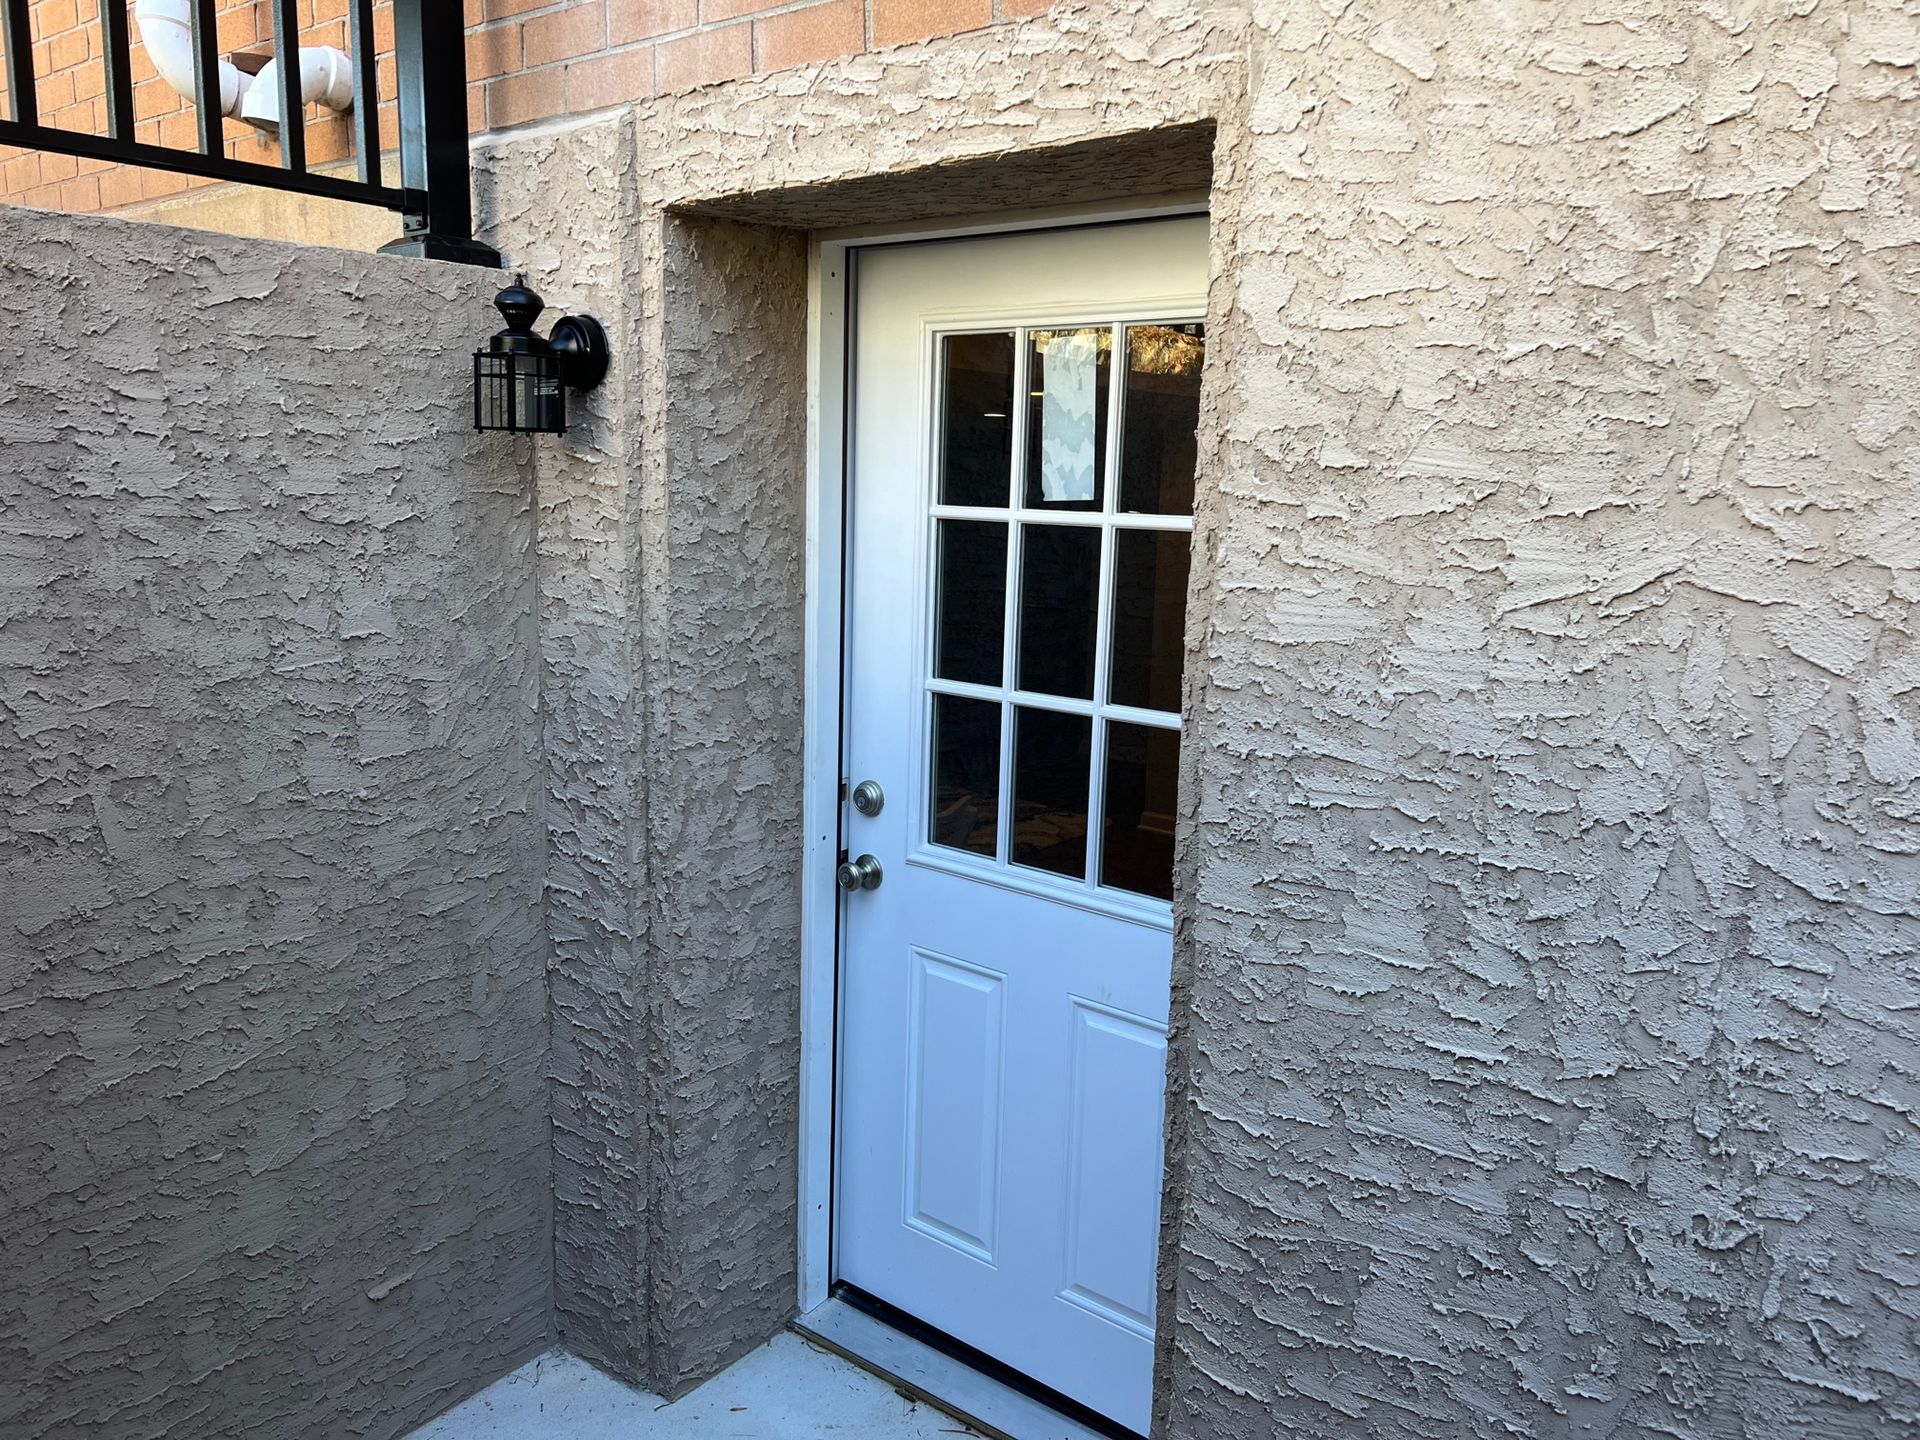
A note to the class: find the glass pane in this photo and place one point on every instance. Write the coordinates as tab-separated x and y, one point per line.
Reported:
966	774
1067	373
1161	418
1136	844
1149	605
973	601
1059	594
1051	754
976	442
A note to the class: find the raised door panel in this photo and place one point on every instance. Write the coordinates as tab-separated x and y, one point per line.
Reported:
955	1087
1116	1081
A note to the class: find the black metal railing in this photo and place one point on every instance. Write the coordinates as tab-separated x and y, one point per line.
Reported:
432	195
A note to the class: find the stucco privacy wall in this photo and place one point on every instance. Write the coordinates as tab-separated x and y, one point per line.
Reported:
1549	1065
671	526
272	990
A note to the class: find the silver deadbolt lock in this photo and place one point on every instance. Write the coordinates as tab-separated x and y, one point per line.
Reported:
861	874
868	798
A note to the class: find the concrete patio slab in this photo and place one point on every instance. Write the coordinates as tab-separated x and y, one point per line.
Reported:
785	1390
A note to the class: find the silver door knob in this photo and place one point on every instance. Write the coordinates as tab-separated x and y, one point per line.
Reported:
861	874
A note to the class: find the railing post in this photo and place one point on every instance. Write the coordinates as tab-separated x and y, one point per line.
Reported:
293	109
16	38
206	78
119	69
430	56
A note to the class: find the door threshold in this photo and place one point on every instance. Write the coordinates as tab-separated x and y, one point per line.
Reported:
849	1323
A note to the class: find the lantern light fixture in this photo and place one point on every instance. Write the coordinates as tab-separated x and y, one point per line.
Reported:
520	381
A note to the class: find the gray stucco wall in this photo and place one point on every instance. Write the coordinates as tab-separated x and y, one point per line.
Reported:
1549	1062
725	489
671	545
670	538
563	206
1548	907
1548	916
272	990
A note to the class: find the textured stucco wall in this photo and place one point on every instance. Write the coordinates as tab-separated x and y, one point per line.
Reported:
725	483
1548	906
671	530
1549	1063
1542	1061
670	534
272	991
565	209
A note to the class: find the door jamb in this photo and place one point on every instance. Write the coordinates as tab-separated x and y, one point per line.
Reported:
829	313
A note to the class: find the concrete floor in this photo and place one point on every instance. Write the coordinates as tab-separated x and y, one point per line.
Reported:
785	1390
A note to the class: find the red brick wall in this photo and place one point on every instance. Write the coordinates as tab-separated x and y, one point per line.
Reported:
527	60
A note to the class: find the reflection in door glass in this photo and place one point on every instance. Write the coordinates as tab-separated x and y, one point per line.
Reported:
1051	756
966	774
976	420
1149	610
1136	844
1059	607
1067	380
973	601
1161	418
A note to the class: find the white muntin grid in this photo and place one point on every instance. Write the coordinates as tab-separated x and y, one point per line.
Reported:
1017	516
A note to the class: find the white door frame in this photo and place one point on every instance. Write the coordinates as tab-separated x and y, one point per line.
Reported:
828	269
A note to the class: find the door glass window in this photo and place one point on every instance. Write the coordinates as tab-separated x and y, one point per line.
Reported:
966	774
1136	853
1158	447
976	419
1067	384
1059	608
1052	757
1066	760
1149	613
972	606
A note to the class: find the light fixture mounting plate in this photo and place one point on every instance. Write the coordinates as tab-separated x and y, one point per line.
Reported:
580	343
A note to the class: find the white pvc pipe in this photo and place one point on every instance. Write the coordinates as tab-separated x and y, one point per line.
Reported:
166	29
326	78
167	32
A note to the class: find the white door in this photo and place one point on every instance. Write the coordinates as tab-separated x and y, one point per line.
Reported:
1021	477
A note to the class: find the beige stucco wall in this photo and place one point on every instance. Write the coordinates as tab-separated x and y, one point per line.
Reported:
671	528
1551	887
1548	909
262	214
1548	903
274	1142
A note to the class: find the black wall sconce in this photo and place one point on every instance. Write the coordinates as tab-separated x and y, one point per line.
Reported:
520	381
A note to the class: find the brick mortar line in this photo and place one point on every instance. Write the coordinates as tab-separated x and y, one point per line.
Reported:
697	28
649	41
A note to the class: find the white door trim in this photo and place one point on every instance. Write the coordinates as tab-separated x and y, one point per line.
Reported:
828	269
